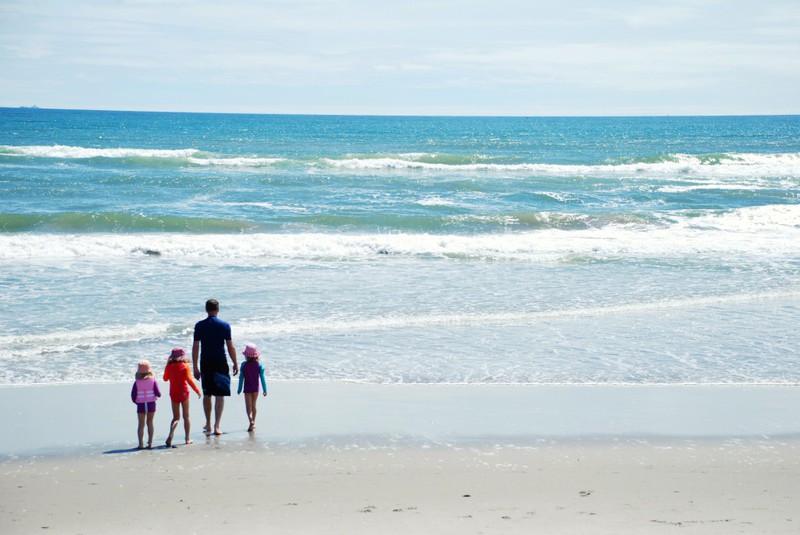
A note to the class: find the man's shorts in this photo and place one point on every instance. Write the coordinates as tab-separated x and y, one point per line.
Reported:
215	379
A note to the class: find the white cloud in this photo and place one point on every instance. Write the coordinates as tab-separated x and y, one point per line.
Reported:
29	51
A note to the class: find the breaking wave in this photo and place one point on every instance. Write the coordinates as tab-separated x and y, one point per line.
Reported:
722	165
757	232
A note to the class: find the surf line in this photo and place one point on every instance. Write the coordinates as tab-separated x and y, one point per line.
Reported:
266	328
66	341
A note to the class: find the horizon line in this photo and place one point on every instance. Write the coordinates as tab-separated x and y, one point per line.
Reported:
409	115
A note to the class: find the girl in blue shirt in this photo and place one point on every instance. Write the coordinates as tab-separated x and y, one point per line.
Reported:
250	374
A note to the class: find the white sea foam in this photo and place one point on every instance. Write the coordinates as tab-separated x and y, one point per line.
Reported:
236	161
733	165
557	196
267	327
757	232
758	218
66	341
48	344
68	152
190	156
268	206
436	201
714	186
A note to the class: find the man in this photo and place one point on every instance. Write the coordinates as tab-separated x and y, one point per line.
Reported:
211	335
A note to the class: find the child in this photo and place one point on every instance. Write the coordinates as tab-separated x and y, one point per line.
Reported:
144	393
180	379
249	376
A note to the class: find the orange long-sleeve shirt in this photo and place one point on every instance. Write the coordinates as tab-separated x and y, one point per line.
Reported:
180	379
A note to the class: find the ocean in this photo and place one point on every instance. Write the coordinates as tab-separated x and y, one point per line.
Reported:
458	250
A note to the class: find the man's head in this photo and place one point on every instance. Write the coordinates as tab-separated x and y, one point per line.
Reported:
212	306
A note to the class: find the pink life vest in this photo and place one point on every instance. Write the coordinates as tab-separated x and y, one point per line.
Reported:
145	390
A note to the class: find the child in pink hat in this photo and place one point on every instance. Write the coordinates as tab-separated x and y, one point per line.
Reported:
144	393
177	373
250	374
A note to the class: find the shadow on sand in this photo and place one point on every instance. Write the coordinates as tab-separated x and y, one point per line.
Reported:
132	450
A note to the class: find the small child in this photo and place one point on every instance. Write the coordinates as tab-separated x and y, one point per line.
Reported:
249	376
144	393
180	379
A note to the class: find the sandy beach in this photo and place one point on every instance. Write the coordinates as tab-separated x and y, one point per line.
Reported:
345	458
554	488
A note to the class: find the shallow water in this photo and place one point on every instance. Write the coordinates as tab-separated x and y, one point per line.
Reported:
413	250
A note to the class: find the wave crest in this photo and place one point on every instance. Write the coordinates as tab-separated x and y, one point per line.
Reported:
724	164
750	233
82	153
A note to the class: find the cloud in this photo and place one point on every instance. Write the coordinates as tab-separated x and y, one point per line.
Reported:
28	51
404	67
648	67
658	16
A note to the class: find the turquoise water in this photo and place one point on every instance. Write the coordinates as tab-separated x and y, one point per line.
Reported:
654	250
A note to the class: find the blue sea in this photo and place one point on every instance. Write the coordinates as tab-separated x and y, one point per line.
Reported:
642	250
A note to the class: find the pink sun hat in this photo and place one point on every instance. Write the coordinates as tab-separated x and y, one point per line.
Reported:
177	353
144	367
251	351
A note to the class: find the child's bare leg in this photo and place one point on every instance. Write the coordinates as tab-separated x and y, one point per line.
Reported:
186	424
253	405
248	408
140	430
176	416
150	430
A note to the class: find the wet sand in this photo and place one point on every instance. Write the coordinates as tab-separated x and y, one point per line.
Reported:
339	458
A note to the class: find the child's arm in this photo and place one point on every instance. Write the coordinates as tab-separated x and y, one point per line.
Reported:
166	377
156	389
134	392
241	381
263	379
190	380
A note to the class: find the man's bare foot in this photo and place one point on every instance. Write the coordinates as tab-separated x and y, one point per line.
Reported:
189	441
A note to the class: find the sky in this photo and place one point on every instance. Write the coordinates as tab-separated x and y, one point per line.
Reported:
379	57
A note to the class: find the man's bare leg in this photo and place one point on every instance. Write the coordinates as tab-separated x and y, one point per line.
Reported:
207	411
219	405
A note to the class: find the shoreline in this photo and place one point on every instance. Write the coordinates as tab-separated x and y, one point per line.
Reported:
85	419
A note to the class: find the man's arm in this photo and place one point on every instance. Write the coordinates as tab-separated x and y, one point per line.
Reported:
195	356
232	353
